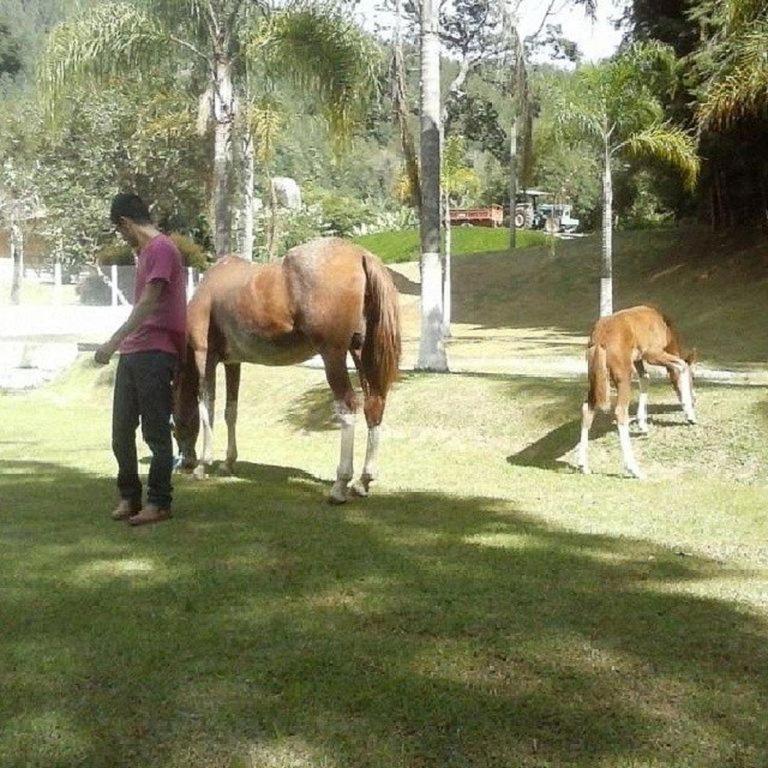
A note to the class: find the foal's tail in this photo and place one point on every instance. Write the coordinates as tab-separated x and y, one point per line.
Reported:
381	348
599	392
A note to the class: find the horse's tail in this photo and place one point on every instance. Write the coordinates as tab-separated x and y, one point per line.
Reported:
599	393
381	348
186	414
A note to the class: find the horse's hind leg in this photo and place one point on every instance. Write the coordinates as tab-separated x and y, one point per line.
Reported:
373	408
624	386
345	405
206	365
642	404
587	416
232	375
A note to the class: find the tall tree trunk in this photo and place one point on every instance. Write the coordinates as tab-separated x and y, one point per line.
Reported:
272	226
400	103
248	183
512	184
606	274
431	350
447	268
223	113
17	254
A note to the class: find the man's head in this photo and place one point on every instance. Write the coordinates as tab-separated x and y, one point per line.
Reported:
129	214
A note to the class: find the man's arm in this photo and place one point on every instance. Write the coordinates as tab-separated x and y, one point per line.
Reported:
146	305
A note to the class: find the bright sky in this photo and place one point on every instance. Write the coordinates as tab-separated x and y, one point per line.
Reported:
595	40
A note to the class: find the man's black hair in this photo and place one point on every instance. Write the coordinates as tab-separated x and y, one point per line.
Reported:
130	206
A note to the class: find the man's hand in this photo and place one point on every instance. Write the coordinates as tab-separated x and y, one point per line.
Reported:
104	353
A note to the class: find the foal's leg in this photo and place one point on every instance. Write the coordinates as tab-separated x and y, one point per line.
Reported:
206	365
232	375
684	393
587	416
345	406
624	386
642	405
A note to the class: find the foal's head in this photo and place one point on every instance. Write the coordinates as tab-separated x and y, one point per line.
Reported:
684	378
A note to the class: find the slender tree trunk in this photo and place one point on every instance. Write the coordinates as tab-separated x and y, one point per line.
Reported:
512	184
447	268
431	350
272	227
223	112
248	183
400	103
17	254
606	274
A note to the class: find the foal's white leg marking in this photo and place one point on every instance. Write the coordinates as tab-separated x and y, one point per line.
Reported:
230	417
370	468
626	451
642	406
686	396
207	455
345	470
584	442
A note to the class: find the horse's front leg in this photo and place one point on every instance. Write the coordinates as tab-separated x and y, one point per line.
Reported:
345	407
232	374
207	405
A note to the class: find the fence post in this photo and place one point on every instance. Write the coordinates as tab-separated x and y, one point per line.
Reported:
113	287
190	282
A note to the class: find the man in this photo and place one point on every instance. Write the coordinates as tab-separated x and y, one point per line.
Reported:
151	343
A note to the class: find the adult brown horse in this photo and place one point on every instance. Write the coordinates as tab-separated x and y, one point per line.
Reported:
630	338
328	296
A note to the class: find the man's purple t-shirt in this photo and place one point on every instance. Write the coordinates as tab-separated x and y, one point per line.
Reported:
165	329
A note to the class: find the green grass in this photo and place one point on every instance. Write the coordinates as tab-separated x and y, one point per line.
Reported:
485	607
395	247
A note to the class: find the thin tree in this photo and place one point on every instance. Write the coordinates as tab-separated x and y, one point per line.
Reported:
314	44
431	348
615	106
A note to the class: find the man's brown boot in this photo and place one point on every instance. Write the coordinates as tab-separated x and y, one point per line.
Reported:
125	509
150	514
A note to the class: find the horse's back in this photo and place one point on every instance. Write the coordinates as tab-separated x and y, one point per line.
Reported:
633	330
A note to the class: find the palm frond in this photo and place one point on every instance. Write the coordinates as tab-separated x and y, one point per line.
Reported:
324	53
741	89
265	119
670	144
97	45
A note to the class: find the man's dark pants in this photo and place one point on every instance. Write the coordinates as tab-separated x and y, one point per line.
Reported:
143	391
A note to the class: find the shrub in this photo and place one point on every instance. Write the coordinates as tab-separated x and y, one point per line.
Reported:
121	254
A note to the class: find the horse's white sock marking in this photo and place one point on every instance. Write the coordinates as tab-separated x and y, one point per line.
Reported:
370	468
586	422
642	411
345	469
686	396
626	451
207	457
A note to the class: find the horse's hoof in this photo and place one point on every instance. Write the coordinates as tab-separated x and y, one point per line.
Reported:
225	470
199	472
585	470
336	500
635	473
358	489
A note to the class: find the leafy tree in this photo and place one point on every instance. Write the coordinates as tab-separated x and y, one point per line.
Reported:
312	44
615	106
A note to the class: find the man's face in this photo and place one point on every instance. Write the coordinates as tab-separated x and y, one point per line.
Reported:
126	229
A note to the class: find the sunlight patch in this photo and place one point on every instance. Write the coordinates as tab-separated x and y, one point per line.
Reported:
115	568
37	737
292	752
500	540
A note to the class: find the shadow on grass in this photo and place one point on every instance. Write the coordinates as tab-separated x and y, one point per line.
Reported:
261	627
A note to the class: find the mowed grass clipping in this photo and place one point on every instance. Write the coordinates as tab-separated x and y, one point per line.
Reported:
404	245
487	606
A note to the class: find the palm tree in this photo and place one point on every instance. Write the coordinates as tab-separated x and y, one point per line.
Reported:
615	106
313	45
431	349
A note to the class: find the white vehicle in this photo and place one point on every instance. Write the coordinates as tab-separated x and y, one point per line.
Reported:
558	217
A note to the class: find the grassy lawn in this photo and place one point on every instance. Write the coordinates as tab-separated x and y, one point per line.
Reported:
395	247
487	606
